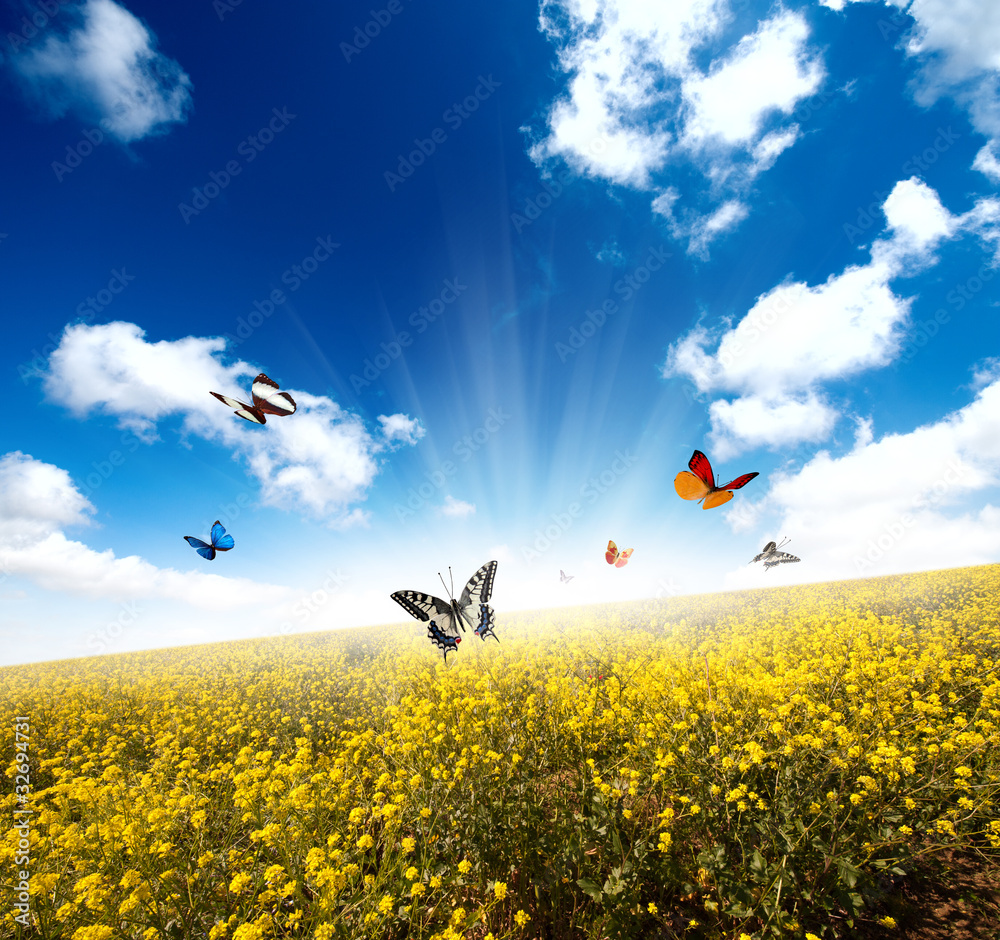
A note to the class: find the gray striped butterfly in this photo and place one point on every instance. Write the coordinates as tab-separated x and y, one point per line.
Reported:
773	557
444	617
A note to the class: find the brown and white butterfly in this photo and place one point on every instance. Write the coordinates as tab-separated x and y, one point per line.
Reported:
773	557
267	400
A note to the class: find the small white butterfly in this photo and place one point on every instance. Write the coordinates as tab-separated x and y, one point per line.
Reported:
565	577
445	617
773	557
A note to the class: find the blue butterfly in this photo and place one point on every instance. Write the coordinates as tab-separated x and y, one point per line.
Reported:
220	542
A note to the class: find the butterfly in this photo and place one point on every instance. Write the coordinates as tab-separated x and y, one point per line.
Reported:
220	542
773	557
700	483
267	400
617	558
445	617
565	578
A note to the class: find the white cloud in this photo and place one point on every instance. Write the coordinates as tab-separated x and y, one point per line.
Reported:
457	508
38	499
987	161
638	104
796	336
401	428
610	253
321	459
701	230
752	421
906	502
106	70
957	43
766	71
985	372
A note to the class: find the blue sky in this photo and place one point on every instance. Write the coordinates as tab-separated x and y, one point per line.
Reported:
514	264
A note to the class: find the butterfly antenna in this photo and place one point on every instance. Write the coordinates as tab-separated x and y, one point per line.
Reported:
445	586
784	541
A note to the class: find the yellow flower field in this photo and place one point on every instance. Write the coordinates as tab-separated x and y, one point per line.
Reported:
745	765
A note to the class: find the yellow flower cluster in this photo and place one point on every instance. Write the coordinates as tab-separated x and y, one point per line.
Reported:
352	784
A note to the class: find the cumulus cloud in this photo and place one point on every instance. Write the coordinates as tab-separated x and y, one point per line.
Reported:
322	459
401	429
892	504
38	499
797	336
640	106
105	70
457	508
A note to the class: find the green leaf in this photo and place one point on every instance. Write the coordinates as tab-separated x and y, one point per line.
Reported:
590	888
848	873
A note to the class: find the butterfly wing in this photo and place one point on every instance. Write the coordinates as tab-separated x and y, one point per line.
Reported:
779	558
611	555
565	577
767	550
220	541
436	613
739	482
242	408
716	498
203	548
688	486
472	604
701	468
624	557
268	400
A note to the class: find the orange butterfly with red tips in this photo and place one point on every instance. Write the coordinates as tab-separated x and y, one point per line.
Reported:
700	483
617	558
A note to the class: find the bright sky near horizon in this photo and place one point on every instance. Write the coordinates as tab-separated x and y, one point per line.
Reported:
514	262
